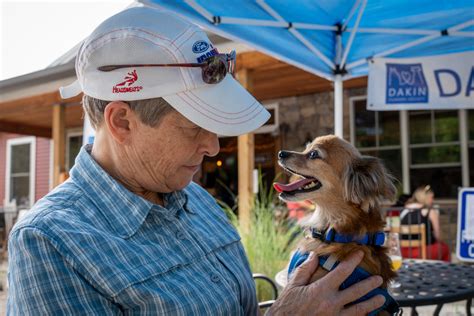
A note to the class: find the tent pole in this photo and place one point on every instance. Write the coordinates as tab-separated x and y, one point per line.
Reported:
351	37
338	91
200	10
338	114
265	6
406	31
411	44
351	14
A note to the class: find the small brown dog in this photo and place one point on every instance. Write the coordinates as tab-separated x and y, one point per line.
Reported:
348	189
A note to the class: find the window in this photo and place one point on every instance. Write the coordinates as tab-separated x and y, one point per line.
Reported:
273	122
377	134
20	171
73	146
434	147
435	151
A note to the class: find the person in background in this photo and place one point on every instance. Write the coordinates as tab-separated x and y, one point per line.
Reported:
393	213
419	210
402	200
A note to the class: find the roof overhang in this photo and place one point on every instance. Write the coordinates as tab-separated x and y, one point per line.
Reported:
38	82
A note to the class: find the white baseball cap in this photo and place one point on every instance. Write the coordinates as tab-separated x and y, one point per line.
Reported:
143	35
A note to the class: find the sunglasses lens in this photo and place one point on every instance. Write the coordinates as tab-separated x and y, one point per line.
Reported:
214	71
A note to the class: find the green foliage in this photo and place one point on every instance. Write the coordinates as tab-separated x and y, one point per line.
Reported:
270	238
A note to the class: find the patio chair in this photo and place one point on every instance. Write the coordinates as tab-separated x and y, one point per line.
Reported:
266	304
416	235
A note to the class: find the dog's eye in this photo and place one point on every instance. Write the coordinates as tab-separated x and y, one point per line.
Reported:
314	154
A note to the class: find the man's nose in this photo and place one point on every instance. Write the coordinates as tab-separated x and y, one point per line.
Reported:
211	144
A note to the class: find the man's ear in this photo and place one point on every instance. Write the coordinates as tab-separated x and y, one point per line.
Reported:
367	183
118	118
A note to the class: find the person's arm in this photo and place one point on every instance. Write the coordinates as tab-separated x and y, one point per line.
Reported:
323	296
41	282
434	219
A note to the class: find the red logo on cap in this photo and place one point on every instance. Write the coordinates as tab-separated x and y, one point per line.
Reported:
124	87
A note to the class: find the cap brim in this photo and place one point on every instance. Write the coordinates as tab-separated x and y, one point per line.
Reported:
71	90
225	108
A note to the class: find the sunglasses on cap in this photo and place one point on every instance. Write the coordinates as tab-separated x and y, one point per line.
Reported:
213	69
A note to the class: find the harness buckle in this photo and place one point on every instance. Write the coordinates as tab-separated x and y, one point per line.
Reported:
330	235
318	234
371	239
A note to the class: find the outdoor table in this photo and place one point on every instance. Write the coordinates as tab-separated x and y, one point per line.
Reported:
426	282
430	282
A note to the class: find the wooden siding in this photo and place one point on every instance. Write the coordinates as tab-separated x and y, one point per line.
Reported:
42	167
42	173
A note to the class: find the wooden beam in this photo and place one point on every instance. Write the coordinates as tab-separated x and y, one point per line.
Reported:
59	139
48	98
33	114
246	161
360	82
277	148
23	129
254	60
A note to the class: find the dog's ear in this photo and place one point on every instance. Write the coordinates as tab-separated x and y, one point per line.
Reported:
367	183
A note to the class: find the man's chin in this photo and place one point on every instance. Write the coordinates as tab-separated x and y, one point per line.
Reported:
181	184
193	169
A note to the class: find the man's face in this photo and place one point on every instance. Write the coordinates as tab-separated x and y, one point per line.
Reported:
165	158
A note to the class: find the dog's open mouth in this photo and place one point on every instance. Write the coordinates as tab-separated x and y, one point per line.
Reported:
304	185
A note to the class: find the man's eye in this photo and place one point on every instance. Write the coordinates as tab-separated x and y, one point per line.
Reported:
314	154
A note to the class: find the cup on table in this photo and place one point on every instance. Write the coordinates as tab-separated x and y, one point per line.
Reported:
395	254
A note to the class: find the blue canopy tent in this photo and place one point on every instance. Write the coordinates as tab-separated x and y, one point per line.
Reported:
334	39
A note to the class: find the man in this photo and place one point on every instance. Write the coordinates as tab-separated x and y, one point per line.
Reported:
129	233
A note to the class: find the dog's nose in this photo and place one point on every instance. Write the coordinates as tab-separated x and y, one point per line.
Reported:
282	154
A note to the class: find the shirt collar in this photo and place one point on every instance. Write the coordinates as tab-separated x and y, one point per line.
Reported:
125	211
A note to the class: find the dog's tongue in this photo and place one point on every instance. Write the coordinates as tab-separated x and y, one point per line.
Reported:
280	187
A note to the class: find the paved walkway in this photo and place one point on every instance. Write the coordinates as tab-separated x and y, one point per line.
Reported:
453	309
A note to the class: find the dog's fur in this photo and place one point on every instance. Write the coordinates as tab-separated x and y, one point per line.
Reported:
349	200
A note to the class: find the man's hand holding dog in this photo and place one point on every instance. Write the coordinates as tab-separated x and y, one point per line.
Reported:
323	297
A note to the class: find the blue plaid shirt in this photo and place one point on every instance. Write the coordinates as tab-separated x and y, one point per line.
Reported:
91	247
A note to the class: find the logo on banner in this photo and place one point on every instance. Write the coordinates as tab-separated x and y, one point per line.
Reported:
406	84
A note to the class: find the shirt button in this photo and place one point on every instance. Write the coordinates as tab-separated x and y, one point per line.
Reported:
180	235
215	278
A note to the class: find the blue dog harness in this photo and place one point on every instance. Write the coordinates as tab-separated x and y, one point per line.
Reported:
330	235
329	263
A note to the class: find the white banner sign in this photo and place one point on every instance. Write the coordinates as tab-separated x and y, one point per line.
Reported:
437	82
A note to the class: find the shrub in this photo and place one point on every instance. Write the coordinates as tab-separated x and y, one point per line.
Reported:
270	237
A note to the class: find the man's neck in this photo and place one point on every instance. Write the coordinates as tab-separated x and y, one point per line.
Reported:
103	153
